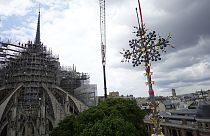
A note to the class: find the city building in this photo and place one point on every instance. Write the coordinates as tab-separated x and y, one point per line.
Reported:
183	115
114	94
208	94
173	93
36	93
185	122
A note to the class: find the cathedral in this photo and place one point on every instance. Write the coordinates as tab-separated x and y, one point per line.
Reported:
36	93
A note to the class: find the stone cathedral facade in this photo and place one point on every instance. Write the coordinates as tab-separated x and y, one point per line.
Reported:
36	92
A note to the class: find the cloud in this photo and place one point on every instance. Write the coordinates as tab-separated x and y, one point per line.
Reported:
187	57
186	68
15	7
71	28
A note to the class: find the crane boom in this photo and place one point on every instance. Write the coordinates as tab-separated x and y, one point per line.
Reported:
103	41
103	30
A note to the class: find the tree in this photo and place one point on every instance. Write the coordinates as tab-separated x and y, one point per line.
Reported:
113	117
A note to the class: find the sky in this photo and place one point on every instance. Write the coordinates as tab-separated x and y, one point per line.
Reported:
71	28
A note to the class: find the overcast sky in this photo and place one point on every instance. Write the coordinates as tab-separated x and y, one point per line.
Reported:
71	28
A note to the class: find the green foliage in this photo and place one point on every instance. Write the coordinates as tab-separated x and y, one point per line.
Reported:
66	127
110	126
114	117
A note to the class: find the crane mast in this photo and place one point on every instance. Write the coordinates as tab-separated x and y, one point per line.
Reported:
103	41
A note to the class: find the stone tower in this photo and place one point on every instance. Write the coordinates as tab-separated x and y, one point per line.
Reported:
173	92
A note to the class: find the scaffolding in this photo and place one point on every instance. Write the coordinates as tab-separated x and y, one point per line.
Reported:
33	65
77	84
30	64
35	90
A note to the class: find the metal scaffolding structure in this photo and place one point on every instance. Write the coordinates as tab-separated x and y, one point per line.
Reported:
77	84
30	64
35	91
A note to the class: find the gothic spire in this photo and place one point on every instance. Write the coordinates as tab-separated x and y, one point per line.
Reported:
37	38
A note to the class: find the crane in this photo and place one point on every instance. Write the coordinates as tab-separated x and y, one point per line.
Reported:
103	41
